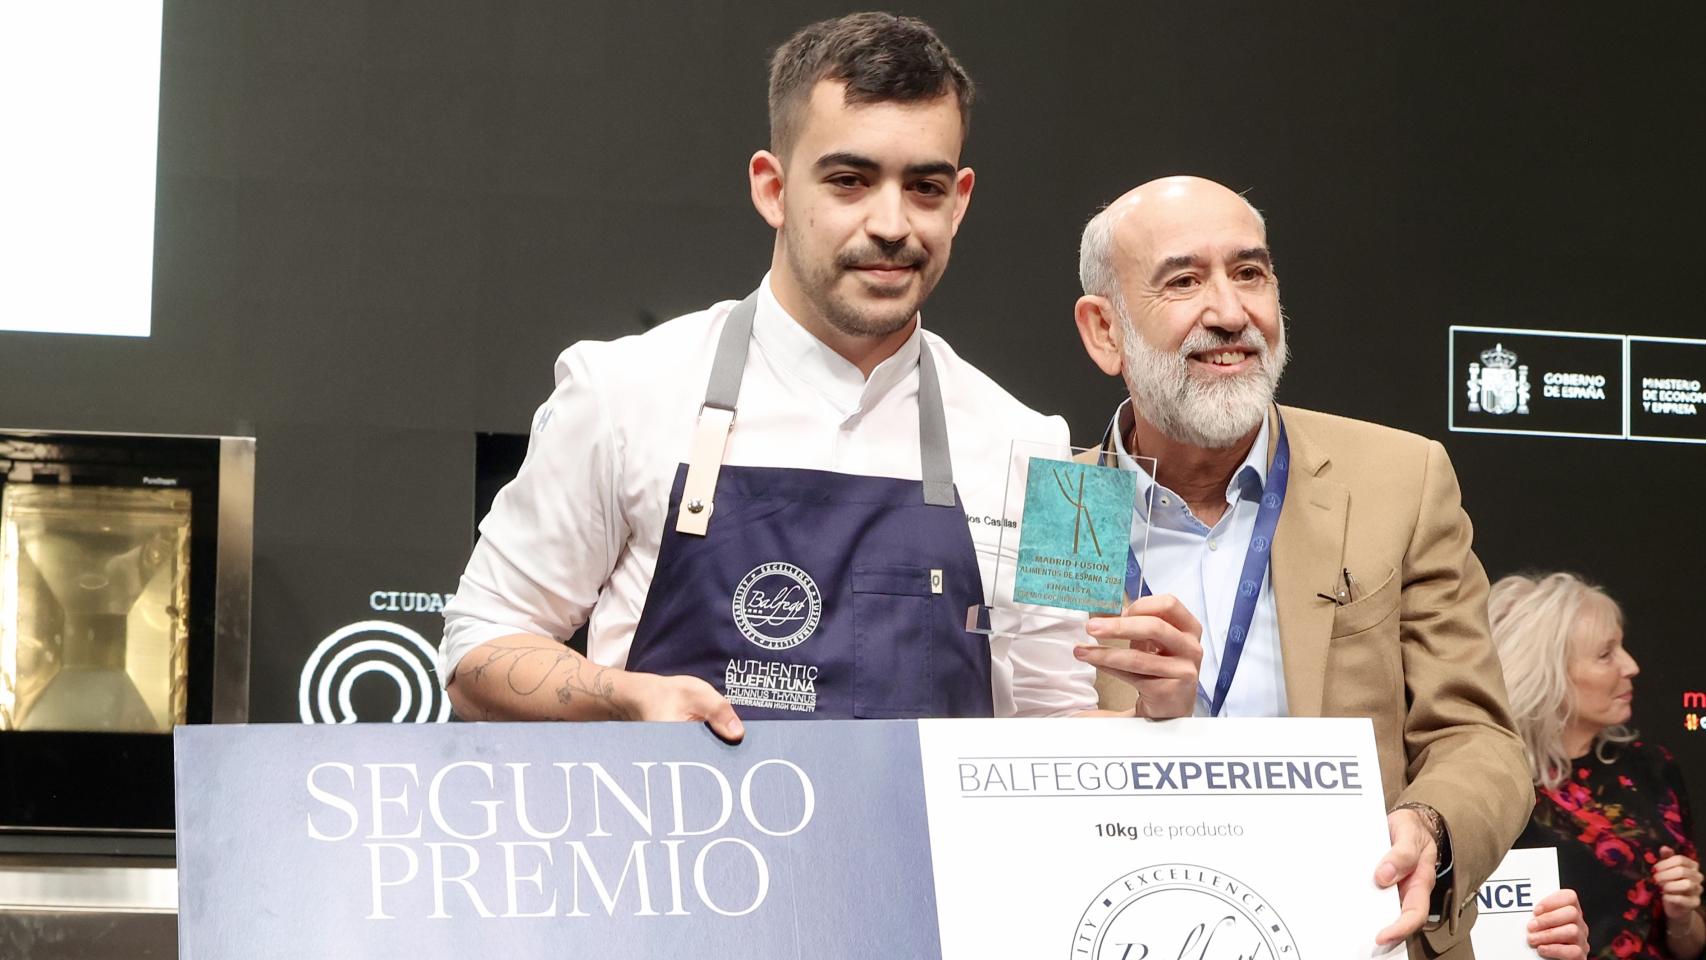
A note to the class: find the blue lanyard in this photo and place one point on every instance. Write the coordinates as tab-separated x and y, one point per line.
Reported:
1249	581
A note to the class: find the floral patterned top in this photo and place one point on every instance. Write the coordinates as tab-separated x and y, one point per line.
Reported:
1608	821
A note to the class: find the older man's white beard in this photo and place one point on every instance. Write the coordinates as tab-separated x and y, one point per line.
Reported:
1214	414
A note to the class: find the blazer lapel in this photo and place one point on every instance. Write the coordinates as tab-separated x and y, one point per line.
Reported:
1309	548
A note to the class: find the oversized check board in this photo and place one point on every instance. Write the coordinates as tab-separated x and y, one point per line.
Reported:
1067	839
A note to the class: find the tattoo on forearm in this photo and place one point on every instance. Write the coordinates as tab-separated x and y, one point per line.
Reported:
526	670
598	686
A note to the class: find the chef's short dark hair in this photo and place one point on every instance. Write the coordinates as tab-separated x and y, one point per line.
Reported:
879	56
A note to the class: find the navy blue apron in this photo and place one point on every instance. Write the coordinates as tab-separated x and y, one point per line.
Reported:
816	595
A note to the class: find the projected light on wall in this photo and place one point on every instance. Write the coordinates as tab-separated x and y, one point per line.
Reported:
79	121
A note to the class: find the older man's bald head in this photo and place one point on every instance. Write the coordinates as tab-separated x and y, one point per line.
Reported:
1181	300
1143	215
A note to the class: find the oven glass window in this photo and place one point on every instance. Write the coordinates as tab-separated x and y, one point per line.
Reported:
94	604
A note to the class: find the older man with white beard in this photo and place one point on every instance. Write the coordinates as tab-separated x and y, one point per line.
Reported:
1325	562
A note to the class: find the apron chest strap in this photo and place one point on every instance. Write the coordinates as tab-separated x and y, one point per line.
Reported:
716	418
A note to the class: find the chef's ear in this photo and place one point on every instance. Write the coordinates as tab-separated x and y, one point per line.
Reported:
964	179
765	173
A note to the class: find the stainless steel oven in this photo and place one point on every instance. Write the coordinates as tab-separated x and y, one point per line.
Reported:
124	611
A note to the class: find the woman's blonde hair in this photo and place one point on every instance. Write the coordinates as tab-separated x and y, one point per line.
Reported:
1535	617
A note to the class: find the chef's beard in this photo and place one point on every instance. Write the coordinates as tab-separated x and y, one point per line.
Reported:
820	282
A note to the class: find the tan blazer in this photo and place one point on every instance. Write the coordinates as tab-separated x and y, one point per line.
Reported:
1411	650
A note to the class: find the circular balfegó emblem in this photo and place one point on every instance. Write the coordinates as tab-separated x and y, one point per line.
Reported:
1180	910
777	606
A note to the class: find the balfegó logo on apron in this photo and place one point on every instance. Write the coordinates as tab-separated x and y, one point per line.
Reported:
777	606
914	656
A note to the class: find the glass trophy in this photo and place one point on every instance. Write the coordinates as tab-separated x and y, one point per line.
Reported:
94	600
1071	527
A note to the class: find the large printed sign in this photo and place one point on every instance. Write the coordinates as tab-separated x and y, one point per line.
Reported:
1066	839
1506	903
1562	384
79	117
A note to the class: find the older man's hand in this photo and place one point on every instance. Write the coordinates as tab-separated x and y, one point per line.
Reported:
1409	864
1164	659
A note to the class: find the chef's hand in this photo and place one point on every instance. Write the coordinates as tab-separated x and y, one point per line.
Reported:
1558	929
1409	864
1165	654
649	696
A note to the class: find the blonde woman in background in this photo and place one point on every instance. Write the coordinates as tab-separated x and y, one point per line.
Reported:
1615	807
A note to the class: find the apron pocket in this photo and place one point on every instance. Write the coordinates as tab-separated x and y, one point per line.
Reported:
892	672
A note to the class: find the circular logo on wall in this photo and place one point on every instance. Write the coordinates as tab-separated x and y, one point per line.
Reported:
1180	910
388	652
777	606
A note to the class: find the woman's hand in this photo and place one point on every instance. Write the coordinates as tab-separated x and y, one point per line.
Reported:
1558	929
1678	879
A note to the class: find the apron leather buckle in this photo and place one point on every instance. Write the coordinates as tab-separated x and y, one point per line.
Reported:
710	438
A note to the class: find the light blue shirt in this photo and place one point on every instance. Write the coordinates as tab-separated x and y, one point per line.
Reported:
1202	566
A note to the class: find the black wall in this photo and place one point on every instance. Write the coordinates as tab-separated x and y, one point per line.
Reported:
378	222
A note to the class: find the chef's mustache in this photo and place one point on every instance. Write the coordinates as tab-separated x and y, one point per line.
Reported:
899	255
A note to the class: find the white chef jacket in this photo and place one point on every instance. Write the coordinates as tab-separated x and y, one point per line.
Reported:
577	533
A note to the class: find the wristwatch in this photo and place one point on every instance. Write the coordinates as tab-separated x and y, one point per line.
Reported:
1442	855
1435	823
